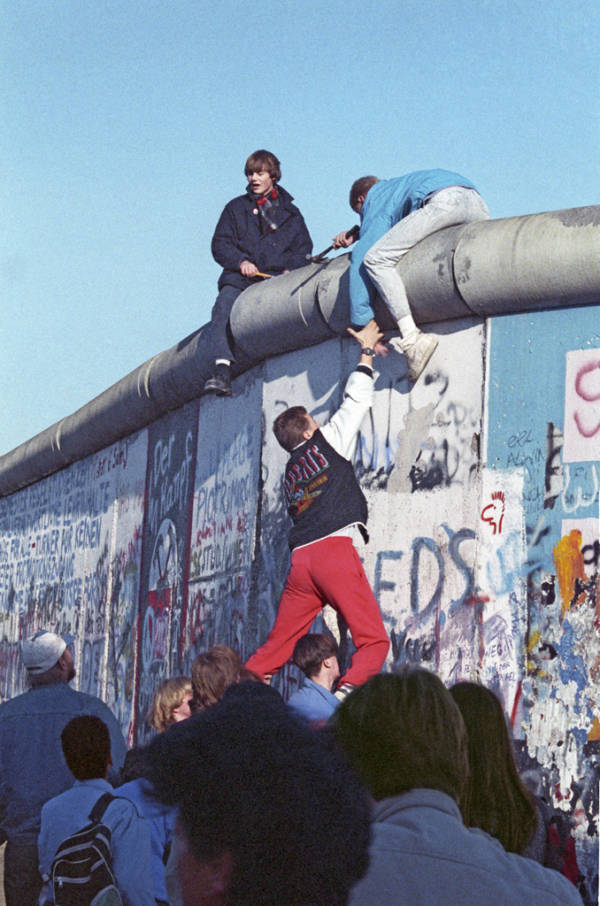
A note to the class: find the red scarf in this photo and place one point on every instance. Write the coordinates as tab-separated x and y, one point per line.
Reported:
265	203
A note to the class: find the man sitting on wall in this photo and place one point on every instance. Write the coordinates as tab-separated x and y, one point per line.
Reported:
405	736
259	234
32	767
316	654
328	510
395	214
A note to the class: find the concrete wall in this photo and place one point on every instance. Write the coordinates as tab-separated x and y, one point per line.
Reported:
482	484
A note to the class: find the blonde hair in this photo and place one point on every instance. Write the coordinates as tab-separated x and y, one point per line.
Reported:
167	697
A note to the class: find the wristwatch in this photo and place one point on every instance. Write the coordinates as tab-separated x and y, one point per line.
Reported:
366	350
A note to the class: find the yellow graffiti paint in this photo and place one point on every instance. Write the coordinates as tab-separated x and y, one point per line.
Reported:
568	561
594	733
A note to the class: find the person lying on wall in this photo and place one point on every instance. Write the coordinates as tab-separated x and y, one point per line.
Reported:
259	235
414	206
328	511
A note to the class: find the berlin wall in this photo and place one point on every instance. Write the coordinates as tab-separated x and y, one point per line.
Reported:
483	489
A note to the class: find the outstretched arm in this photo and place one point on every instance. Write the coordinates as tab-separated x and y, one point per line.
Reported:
368	337
342	428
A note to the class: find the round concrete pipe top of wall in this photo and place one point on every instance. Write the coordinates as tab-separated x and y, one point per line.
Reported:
427	272
333	292
166	381
532	262
279	315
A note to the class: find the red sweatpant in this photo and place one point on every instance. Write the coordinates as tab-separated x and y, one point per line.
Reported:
326	572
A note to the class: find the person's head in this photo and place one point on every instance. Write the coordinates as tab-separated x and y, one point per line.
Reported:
496	799
134	765
263	171
317	653
293	427
86	747
48	658
171	703
269	811
403	731
359	191
213	672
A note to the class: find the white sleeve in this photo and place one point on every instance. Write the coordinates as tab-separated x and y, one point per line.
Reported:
342	428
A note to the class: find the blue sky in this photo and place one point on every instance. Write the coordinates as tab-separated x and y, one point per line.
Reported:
124	127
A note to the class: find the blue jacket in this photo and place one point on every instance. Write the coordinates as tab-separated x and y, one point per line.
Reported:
32	764
421	852
388	202
130	836
161	820
241	234
313	702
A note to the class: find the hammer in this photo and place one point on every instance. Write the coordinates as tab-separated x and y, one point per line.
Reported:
316	259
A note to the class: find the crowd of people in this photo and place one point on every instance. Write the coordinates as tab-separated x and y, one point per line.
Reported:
399	792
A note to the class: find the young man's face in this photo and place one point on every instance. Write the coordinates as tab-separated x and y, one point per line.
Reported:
260	181
359	203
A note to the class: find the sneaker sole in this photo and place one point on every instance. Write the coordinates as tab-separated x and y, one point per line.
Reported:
218	391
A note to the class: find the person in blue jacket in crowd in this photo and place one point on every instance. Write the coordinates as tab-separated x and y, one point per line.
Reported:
316	654
260	234
160	817
85	744
395	215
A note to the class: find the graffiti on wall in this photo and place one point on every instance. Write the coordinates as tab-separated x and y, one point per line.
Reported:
436	446
69	561
223	525
165	544
558	450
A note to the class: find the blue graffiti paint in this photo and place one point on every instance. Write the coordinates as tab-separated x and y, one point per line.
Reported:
419	545
571	666
381	585
456	539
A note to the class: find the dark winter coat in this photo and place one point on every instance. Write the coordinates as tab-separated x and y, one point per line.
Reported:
242	234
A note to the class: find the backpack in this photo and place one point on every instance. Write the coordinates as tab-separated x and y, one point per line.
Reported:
81	873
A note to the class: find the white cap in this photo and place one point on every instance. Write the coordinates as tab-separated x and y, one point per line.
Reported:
42	651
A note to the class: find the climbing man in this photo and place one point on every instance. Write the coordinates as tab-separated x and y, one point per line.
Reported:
395	214
328	510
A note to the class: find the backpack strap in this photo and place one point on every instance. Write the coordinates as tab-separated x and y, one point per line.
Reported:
100	807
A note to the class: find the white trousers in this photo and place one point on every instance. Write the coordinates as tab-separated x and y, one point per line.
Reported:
445	208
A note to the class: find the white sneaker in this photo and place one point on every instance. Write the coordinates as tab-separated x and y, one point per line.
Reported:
417	349
344	691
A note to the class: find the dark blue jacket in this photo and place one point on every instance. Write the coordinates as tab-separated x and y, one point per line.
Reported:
242	234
